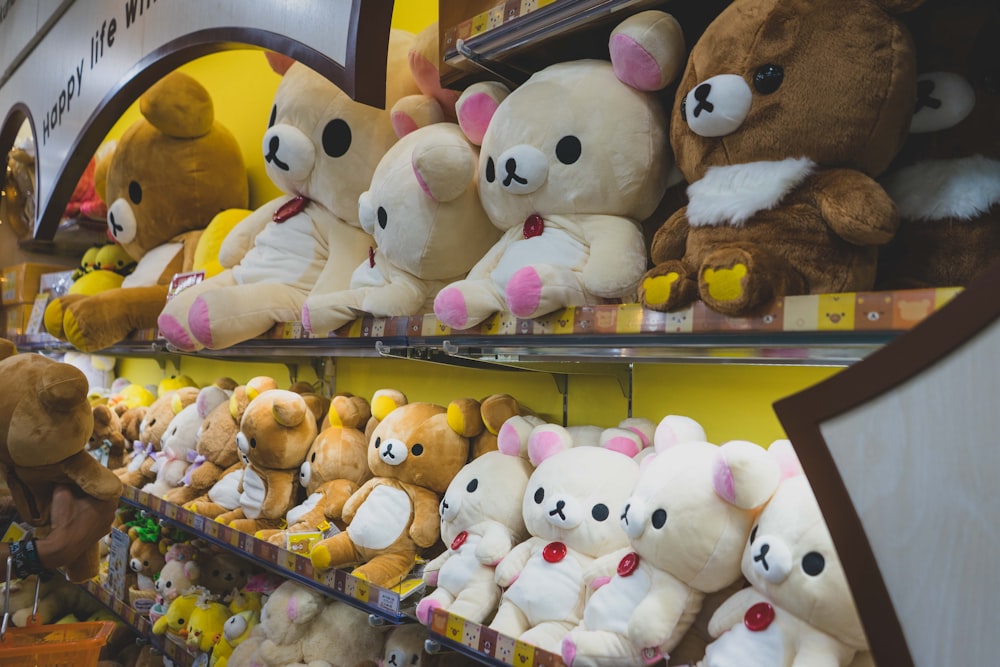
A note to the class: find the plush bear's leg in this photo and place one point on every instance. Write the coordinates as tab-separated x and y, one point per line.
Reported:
232	515
251	526
336	551
476	601
466	303
590	648
323	313
220	318
205	507
173	320
56	311
510	620
668	286
181	495
104	319
387	570
736	280
440	598
536	290
548	635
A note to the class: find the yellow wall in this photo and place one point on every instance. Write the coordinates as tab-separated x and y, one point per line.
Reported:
730	401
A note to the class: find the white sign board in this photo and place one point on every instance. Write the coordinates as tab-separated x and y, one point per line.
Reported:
93	58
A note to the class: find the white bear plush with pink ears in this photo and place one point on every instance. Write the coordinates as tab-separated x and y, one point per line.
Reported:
686	521
571	509
570	163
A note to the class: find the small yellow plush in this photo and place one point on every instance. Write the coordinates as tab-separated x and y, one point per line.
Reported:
45	424
205	627
175	621
236	629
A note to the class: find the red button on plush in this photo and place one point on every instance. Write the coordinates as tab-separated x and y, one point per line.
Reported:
554	552
371	257
628	564
758	617
533	226
459	540
290	208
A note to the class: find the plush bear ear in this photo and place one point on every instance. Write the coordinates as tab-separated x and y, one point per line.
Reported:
512	438
209	398
288	413
413	112
348	411
629	438
63	387
444	166
647	50
279	62
465	418
385	401
547	440
784	455
476	106
675	429
178	106
745	475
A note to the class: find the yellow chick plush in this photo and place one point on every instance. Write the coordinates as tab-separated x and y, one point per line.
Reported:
206	625
237	629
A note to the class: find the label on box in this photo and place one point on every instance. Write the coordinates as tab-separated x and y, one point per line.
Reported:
181	281
117	563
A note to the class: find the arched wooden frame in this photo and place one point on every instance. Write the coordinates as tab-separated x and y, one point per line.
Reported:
893	490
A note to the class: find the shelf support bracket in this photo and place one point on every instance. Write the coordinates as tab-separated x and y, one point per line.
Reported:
326	372
511	76
172	359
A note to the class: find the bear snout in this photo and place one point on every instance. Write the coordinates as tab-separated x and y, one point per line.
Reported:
393	452
521	170
288	154
771	559
717	106
563	514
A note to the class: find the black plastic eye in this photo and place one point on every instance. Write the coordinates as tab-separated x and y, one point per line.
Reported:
753	534
768	78
383	217
135	192
417	449
568	149
274	115
180	622
539	495
813	563
253	442
491	170
378	442
659	518
600	512
312	459
684	109
472	486
169	584
145	563
336	137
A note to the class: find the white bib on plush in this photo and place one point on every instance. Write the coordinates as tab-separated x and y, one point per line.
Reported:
461	567
732	195
226	491
963	188
549	591
561	244
381	519
152	265
294	514
740	647
254	492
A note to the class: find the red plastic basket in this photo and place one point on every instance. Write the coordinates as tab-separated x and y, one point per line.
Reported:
61	645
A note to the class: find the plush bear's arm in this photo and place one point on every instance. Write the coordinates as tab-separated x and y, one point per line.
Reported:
358	497
347	247
670	240
489	261
331	507
281	485
731	612
855	207
94	479
601	570
510	567
425	529
496	543
666	612
240	238
404	295
617	255
205	475
436	564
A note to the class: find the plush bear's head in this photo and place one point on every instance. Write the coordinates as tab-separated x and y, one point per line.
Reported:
107	431
181	435
180	572
488	490
323	145
831	81
222	572
790	557
414	443
577	492
276	430
163	410
581	137
340	451
146	558
692	509
289	611
173	169
423	207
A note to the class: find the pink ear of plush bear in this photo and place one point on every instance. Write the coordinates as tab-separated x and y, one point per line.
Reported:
647	50
476	106
546	441
788	460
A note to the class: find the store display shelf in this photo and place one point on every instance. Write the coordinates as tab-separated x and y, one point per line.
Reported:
388	605
139	622
484	645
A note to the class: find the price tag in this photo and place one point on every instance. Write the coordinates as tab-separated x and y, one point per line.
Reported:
388	601
198	523
171	510
212	528
118	560
350	585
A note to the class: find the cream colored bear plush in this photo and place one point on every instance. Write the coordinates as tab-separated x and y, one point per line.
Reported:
423	209
320	149
799	610
571	162
481	522
686	521
570	508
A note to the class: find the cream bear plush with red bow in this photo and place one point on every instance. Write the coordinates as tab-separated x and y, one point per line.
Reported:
571	162
686	520
799	610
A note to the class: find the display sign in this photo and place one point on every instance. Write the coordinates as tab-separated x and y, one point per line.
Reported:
74	67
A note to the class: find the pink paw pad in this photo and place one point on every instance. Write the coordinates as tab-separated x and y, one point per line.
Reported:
524	292
425	609
199	323
450	308
568	650
306	318
175	334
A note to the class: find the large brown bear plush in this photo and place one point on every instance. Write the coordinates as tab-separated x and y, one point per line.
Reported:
786	112
169	175
44	426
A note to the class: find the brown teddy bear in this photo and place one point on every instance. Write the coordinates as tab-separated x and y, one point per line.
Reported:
484	418
335	467
780	125
946	180
44	428
414	453
169	174
140	467
276	431
107	443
